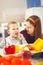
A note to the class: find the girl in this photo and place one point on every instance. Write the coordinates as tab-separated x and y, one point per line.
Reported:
33	29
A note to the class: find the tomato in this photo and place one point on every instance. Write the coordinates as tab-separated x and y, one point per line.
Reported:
2	59
10	57
31	48
26	62
5	63
16	61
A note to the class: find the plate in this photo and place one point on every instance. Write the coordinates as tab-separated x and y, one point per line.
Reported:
33	51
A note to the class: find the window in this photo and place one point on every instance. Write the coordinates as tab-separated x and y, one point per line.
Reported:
33	3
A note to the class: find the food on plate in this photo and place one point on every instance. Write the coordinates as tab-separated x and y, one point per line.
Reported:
31	48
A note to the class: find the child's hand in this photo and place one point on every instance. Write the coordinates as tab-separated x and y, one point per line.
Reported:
21	36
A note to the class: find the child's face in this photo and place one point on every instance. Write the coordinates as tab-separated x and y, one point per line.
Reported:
29	28
13	30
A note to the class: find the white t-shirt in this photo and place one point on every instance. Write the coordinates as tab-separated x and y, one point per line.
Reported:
11	41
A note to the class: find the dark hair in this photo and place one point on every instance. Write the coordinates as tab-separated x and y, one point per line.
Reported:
35	20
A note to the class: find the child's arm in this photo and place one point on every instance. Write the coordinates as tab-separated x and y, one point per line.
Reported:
23	41
2	43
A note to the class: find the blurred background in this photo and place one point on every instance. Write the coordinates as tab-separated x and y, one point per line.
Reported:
18	10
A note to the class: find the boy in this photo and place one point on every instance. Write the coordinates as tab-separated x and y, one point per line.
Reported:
15	37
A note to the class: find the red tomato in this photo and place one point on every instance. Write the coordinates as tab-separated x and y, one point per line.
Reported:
5	63
31	48
9	58
16	61
26	62
2	59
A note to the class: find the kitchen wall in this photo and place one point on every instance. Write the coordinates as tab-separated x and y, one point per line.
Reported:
12	10
41	2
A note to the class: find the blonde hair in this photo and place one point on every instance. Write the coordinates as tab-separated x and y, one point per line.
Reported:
11	22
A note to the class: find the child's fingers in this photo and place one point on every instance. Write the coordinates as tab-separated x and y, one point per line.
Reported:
21	36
